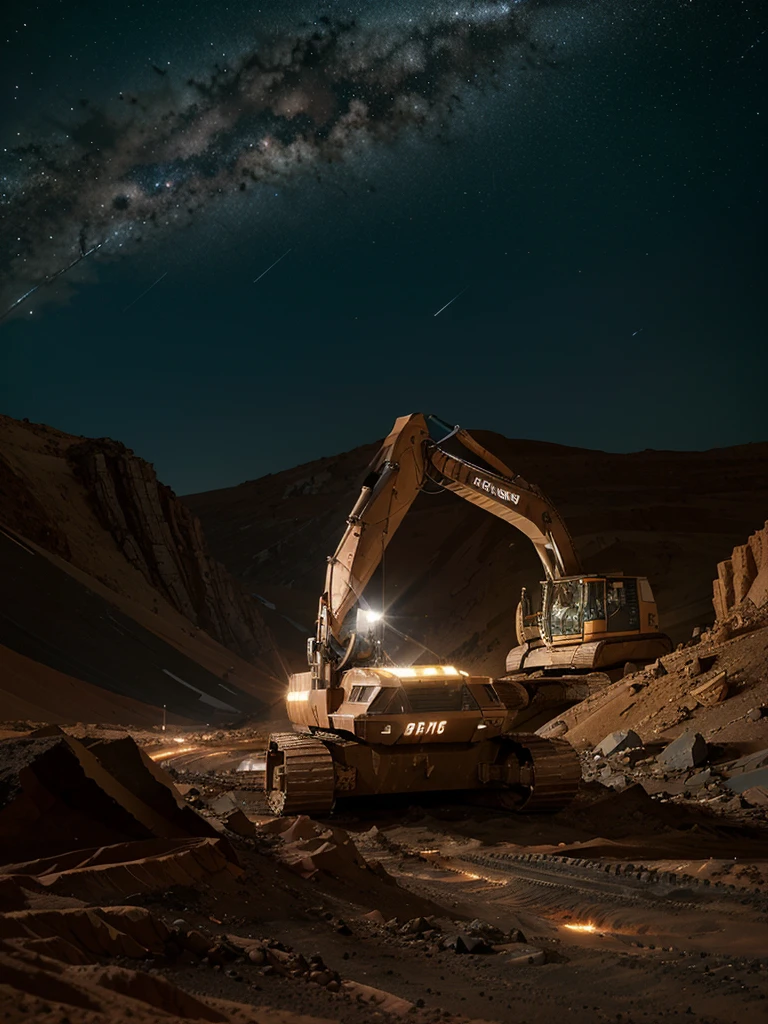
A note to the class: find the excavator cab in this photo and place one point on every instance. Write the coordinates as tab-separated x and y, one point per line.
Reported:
589	622
588	608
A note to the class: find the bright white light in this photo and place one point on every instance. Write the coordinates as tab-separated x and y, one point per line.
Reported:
293	696
420	671
373	616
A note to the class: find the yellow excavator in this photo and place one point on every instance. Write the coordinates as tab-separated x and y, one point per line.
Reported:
365	727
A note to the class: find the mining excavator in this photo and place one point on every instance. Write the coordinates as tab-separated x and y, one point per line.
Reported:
366	727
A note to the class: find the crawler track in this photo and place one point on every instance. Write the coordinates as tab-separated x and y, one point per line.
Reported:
301	771
556	773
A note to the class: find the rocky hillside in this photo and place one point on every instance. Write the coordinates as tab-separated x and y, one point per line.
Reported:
740	592
711	691
126	595
453	573
163	540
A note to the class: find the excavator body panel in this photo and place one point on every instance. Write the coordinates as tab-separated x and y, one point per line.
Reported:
419	729
400	706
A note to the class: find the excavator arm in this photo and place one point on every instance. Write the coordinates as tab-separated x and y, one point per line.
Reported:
392	484
488	483
411	456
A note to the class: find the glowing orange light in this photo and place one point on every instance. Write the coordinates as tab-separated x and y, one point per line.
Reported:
581	927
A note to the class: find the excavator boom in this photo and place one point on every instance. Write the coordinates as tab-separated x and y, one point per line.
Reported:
410	456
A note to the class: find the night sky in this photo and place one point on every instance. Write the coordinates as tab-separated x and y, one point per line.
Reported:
300	220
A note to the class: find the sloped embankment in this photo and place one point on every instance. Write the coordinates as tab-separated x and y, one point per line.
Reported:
165	624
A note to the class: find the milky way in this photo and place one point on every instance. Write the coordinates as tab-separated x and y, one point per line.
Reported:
292	106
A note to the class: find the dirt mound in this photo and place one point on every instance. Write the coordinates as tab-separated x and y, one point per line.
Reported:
56	795
454	573
62	967
109	872
308	847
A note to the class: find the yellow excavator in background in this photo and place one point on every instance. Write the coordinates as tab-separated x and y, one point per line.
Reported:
371	727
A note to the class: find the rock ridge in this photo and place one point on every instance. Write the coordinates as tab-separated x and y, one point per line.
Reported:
160	537
741	587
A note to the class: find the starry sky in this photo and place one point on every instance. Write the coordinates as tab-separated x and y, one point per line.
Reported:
239	236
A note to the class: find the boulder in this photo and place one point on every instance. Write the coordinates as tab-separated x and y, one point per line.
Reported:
612	779
747	780
755	796
624	739
415	926
712	690
223	804
472	944
238	822
699	779
375	917
485	930
524	955
748	763
689	750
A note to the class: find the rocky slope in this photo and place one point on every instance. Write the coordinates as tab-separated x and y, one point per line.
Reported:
453	573
715	686
106	578
741	587
164	541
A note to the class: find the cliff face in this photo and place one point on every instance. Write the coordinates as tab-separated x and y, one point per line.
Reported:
160	537
23	512
741	587
107	588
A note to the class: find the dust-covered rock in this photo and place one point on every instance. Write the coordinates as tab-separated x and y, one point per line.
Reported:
689	750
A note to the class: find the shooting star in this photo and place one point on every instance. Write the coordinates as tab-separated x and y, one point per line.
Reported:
449	303
272	265
634	333
145	292
52	277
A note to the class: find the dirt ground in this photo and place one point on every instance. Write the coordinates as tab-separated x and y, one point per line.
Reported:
623	907
680	931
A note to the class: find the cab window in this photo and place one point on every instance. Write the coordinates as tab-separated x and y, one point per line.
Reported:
565	608
594	601
621	604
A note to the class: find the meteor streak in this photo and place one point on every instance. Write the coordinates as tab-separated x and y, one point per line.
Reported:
449	303
272	265
145	292
49	279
